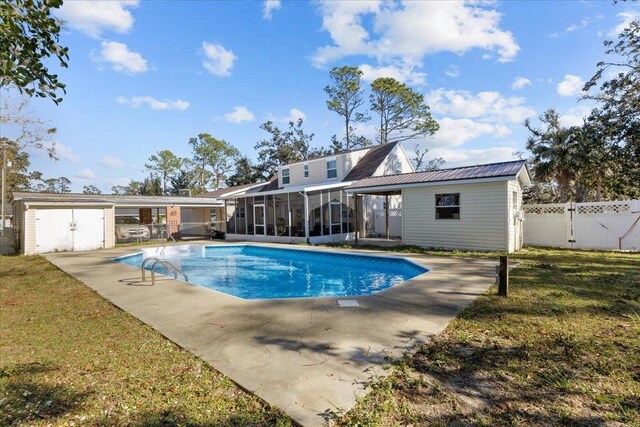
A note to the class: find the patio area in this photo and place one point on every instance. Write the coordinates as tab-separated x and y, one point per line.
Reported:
306	356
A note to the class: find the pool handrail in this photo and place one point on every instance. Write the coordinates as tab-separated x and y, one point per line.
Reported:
175	270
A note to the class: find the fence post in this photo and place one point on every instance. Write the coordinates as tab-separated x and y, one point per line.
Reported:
503	285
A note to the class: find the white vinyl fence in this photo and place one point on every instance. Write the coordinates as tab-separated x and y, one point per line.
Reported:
380	222
600	225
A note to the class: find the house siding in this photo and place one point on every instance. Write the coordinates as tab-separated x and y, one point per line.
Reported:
483	214
318	169
396	155
109	228
513	232
30	232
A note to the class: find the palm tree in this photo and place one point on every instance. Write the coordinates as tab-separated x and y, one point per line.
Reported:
554	153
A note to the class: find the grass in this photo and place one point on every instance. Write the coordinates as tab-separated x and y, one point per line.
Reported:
69	357
563	349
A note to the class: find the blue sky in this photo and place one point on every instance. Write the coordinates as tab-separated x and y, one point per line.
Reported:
146	76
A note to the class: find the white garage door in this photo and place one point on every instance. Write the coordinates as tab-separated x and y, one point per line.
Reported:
60	230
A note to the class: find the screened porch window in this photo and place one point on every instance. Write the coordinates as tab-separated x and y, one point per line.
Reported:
448	206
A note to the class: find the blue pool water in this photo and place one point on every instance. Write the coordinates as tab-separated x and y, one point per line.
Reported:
255	272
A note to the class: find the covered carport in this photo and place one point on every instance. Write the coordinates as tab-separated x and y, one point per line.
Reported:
46	222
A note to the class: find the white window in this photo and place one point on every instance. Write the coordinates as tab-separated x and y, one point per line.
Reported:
332	169
448	206
306	170
285	176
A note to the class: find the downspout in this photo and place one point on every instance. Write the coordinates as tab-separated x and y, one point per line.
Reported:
306	215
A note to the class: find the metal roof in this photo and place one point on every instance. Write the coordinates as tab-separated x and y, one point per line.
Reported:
492	170
117	200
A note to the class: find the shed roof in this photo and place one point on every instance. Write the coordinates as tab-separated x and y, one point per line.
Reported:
129	201
486	171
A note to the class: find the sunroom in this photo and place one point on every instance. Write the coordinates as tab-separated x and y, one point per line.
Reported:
314	214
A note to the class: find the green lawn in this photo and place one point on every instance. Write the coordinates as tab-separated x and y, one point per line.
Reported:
67	356
563	349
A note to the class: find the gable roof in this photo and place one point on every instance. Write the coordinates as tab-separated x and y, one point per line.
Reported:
492	170
370	162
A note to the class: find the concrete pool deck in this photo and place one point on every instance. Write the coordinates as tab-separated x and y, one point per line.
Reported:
306	356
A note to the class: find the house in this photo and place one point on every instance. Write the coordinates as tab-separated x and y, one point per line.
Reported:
46	222
475	207
306	201
327	199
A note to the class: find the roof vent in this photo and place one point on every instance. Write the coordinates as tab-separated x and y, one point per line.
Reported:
184	192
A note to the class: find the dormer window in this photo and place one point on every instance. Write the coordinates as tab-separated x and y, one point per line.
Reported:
332	169
306	170
285	176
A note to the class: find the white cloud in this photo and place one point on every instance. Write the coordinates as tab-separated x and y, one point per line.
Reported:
456	132
403	32
269	7
520	82
94	17
121	58
625	20
574	27
219	61
404	74
239	114
570	86
64	152
575	116
294	116
154	104
452	71
111	162
488	106
474	156
85	175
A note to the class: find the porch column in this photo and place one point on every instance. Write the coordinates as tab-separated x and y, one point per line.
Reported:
226	219
386	214
355	200
306	217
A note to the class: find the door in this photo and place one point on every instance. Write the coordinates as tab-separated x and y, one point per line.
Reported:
60	230
53	230
258	219
88	229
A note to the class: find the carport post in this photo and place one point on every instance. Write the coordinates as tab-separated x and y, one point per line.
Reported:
386	214
503	285
355	200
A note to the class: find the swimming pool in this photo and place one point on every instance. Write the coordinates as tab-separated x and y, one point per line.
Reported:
263	272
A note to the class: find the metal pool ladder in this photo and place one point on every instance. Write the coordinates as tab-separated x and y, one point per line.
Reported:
175	270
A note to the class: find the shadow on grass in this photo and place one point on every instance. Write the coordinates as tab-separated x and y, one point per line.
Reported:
25	400
177	417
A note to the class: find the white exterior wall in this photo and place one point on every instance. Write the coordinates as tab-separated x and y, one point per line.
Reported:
397	155
26	218
482	224
515	226
318	169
